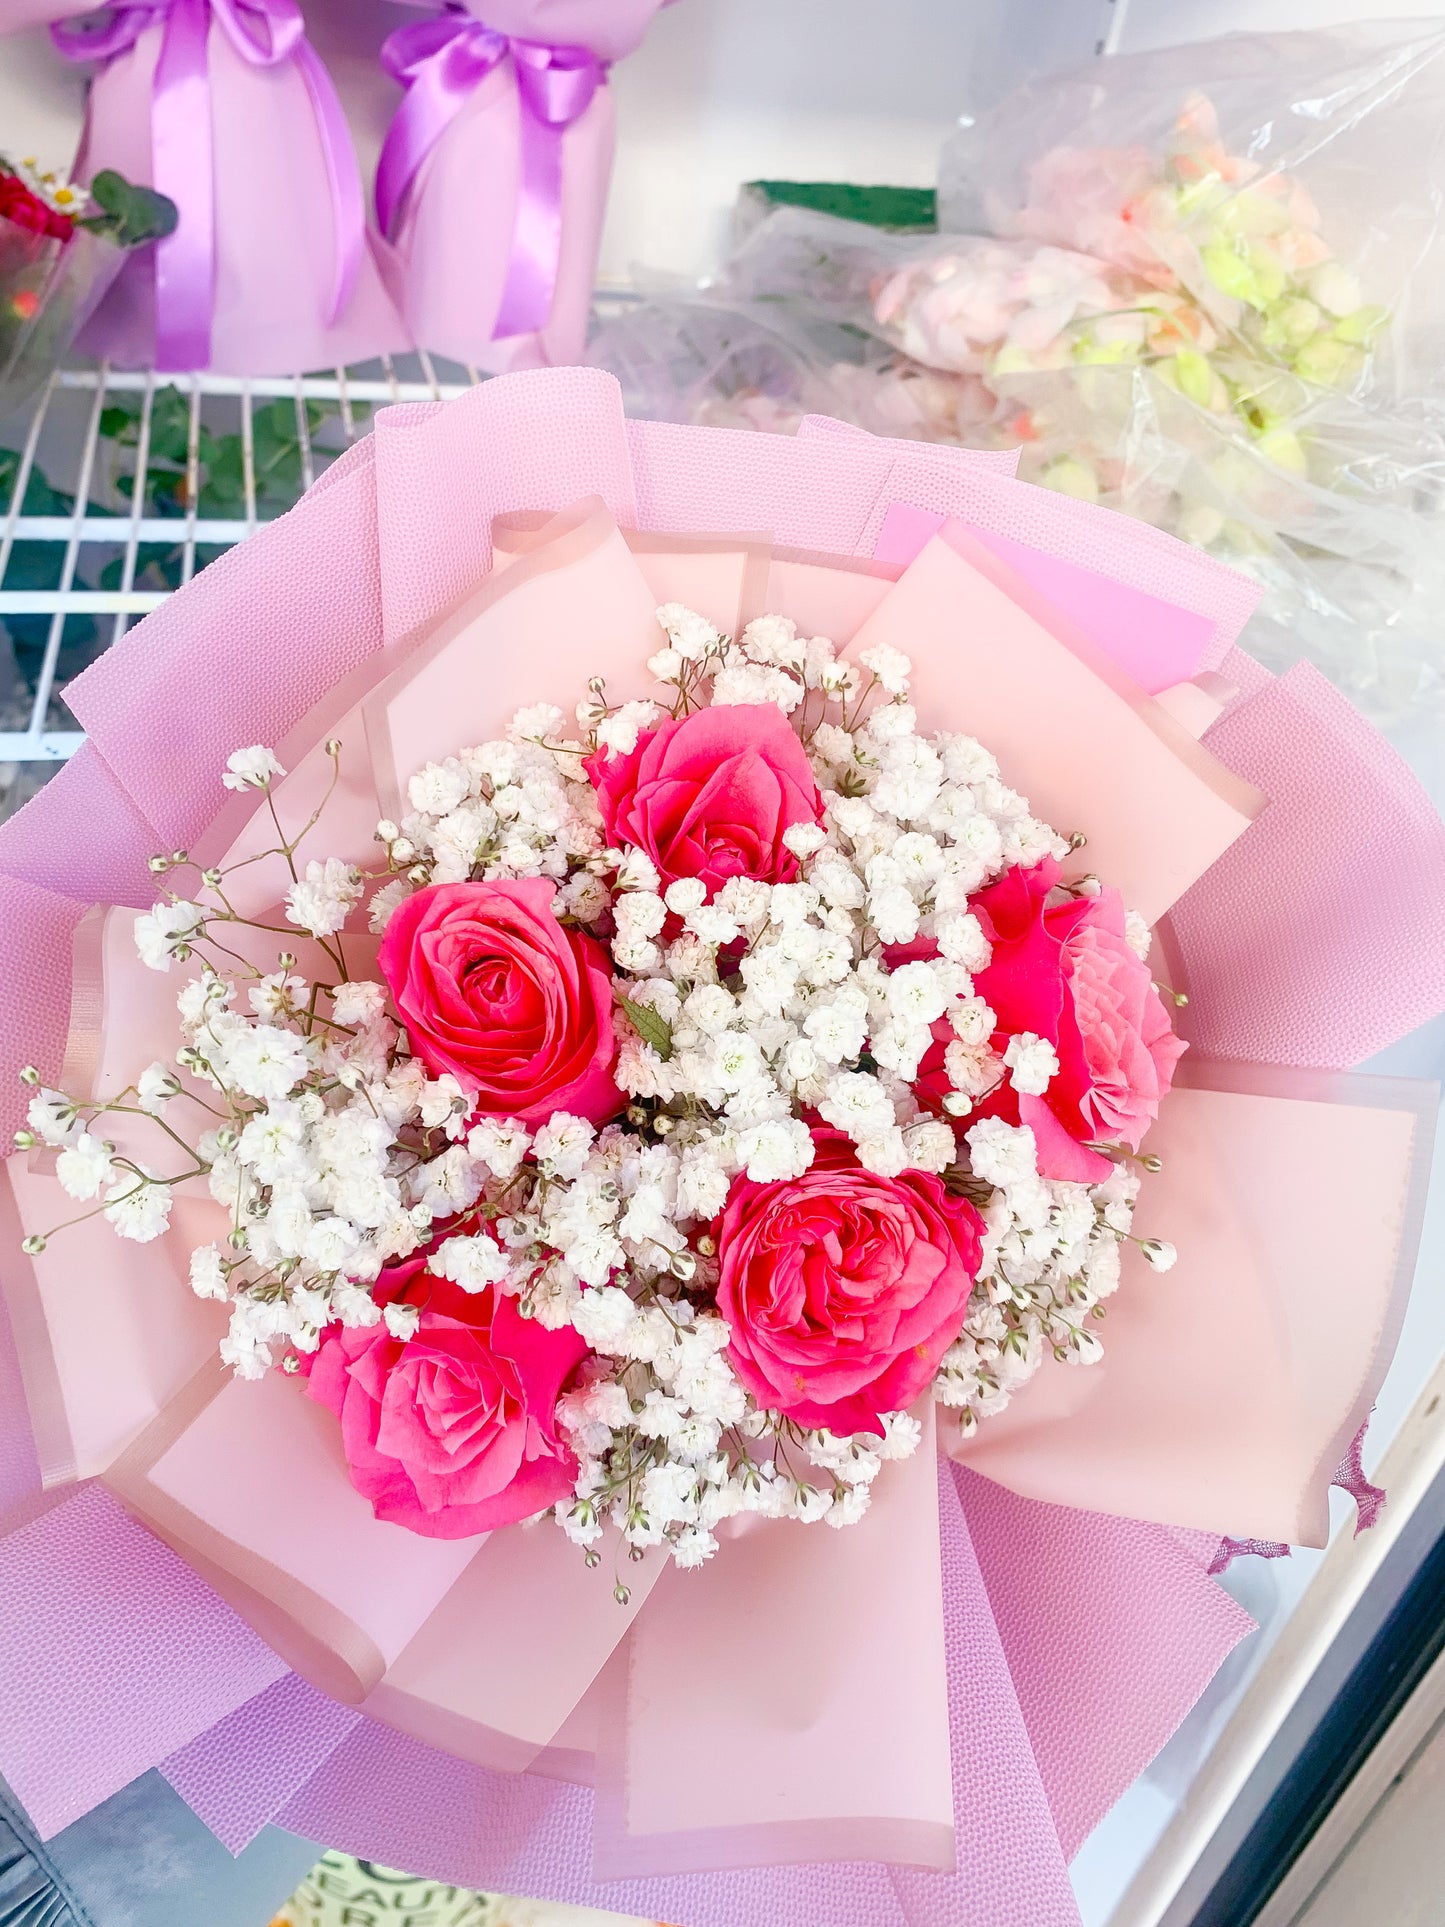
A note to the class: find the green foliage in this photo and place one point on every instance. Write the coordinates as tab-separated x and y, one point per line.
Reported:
130	216
653	1029
220	459
37	565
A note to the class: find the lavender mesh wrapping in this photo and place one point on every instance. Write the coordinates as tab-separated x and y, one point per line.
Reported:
113	1654
238	1775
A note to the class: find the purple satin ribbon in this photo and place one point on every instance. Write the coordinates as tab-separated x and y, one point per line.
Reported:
440	62
265	33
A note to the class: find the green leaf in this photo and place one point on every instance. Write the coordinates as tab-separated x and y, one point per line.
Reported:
130	215
655	1031
902	209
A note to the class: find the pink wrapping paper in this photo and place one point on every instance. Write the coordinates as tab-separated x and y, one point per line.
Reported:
1099	758
471	183
1157	1624
1131	552
1334	888
1155	642
275	225
1242	1150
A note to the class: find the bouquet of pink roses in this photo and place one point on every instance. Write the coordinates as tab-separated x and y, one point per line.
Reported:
665	1037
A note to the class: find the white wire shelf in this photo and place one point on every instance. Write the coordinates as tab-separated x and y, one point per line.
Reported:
118	486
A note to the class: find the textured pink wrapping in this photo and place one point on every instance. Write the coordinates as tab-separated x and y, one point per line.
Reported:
1066	1658
544	449
240	1774
109	864
1075	1643
36	932
535	1837
1281	965
255	641
19	1464
82	1715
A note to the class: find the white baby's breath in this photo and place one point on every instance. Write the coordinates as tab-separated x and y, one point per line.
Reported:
748	1014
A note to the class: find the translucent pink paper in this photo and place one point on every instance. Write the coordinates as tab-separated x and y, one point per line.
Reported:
547	1756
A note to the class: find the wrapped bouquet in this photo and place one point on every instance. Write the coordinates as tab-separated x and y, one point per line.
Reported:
60	248
225	106
1196	284
505	126
596	1042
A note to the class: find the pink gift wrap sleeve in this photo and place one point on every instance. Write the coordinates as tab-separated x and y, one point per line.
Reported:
1067	1644
1127	1624
277	226
479	177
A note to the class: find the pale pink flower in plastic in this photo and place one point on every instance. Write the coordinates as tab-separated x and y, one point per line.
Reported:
957	311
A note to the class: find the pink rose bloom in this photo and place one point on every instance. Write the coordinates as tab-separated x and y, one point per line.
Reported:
454	1430
710	796
492	988
1065	971
842	1289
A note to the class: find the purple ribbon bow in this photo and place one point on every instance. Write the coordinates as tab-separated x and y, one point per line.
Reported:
439	62
265	33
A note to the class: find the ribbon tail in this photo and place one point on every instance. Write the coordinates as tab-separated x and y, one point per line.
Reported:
182	167
531	284
347	199
439	74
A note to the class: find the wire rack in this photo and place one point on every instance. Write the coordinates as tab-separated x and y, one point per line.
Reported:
118	487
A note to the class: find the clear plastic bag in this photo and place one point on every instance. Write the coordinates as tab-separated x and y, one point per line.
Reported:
1205	285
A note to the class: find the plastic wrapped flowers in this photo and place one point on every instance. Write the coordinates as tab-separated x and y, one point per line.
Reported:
661	1039
60	248
1204	266
1175	293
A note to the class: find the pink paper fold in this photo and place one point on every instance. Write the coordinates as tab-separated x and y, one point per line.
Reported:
238	657
1320	937
1238	1438
779	1743
1097	538
1153	641
1093	755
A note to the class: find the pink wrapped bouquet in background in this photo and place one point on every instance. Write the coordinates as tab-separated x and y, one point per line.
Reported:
225	106
506	134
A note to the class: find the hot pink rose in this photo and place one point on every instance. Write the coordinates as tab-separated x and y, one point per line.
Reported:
710	796
843	1290
452	1432
492	988
1064	971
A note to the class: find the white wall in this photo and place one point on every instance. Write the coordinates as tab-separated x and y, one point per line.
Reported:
1168	23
